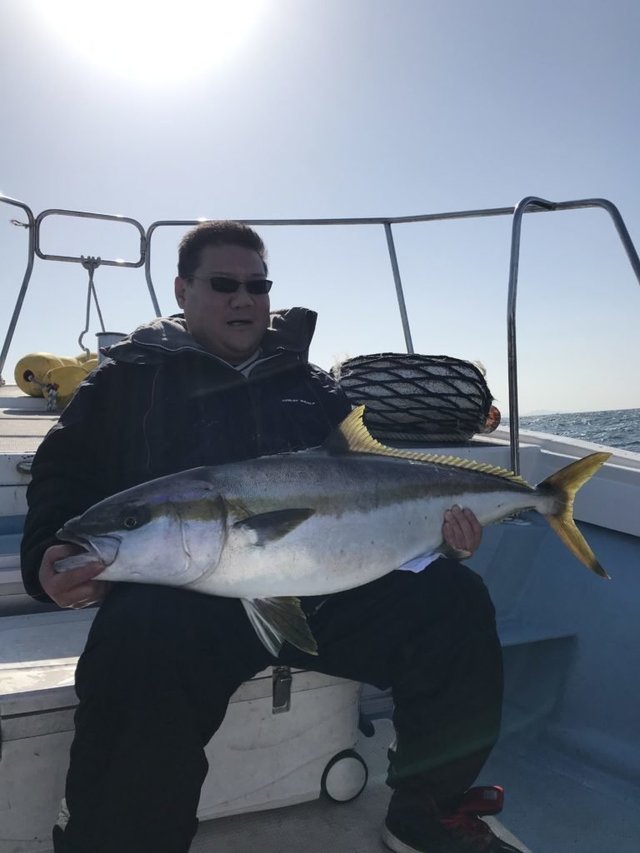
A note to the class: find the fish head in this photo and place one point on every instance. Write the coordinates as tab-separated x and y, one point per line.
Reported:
169	531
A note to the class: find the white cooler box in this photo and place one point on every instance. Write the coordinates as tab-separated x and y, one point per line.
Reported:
266	754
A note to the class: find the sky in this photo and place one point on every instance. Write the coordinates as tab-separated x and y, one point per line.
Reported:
269	109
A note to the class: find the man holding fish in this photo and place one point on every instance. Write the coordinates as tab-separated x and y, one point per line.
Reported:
184	464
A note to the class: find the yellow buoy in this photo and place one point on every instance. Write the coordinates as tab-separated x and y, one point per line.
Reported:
89	365
66	377
31	370
86	356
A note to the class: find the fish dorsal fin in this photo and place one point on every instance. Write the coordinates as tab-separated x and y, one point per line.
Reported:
352	436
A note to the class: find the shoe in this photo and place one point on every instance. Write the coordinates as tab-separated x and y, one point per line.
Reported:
415	824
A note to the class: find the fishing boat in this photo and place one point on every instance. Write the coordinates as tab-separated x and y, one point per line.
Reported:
569	754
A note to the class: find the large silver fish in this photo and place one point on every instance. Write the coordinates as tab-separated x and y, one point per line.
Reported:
308	523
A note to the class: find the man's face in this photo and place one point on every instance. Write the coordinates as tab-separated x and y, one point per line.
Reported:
229	325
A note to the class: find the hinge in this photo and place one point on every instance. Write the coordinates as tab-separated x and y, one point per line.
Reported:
281	681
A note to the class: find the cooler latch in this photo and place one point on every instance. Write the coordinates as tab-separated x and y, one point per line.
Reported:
281	681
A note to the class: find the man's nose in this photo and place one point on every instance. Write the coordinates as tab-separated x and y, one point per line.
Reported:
242	296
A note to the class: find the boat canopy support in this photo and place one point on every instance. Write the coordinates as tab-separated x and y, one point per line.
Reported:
529	204
34	250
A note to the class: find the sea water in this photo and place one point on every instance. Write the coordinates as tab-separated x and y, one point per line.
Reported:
619	428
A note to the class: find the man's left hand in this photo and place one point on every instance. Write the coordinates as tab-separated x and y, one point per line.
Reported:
461	530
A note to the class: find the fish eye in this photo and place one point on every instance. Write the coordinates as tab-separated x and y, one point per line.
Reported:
134	515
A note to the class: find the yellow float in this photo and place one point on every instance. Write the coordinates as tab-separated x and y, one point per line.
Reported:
39	373
65	378
31	370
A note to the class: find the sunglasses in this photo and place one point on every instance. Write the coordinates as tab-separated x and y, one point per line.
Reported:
223	284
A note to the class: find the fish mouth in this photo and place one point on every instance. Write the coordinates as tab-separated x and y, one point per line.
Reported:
103	548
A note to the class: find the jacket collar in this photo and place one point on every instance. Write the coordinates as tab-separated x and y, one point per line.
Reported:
290	331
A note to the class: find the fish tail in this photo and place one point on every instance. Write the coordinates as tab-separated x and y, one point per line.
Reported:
563	485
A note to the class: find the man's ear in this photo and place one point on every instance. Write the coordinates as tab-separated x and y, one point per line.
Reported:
180	286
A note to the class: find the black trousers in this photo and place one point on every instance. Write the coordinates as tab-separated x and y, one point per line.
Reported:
161	664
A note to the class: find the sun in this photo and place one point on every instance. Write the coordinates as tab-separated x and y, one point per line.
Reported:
152	41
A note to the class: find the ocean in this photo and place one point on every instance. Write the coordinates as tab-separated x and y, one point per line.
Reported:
619	428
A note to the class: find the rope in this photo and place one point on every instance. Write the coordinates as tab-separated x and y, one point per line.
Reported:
90	264
52	397
49	391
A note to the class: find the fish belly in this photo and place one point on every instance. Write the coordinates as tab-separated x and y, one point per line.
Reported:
327	554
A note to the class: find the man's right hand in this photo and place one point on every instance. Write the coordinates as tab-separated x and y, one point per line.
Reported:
76	588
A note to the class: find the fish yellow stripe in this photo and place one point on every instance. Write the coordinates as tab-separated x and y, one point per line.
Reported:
352	436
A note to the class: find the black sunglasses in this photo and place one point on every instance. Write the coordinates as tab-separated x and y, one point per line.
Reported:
224	284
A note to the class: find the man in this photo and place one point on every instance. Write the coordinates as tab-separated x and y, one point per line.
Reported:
223	382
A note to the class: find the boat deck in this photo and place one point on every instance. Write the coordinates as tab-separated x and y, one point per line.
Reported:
320	825
551	806
24	420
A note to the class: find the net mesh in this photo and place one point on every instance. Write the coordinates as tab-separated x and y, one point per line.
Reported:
410	397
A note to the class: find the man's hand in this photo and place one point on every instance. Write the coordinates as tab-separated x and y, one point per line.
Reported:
76	588
461	531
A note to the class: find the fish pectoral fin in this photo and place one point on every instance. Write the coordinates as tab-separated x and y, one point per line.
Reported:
270	526
454	553
278	619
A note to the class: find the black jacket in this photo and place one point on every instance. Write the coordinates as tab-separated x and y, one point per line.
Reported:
162	404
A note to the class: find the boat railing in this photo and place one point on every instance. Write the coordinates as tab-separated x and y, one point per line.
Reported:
90	263
529	204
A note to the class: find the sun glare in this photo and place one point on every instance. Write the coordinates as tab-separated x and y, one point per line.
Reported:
152	41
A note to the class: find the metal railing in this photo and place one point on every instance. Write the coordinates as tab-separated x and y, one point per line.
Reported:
31	229
34	228
530	204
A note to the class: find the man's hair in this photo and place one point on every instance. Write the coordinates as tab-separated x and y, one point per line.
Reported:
225	232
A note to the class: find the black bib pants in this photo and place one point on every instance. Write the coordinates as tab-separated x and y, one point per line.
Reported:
161	664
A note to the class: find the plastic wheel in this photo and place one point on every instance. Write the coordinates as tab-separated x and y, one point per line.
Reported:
345	777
